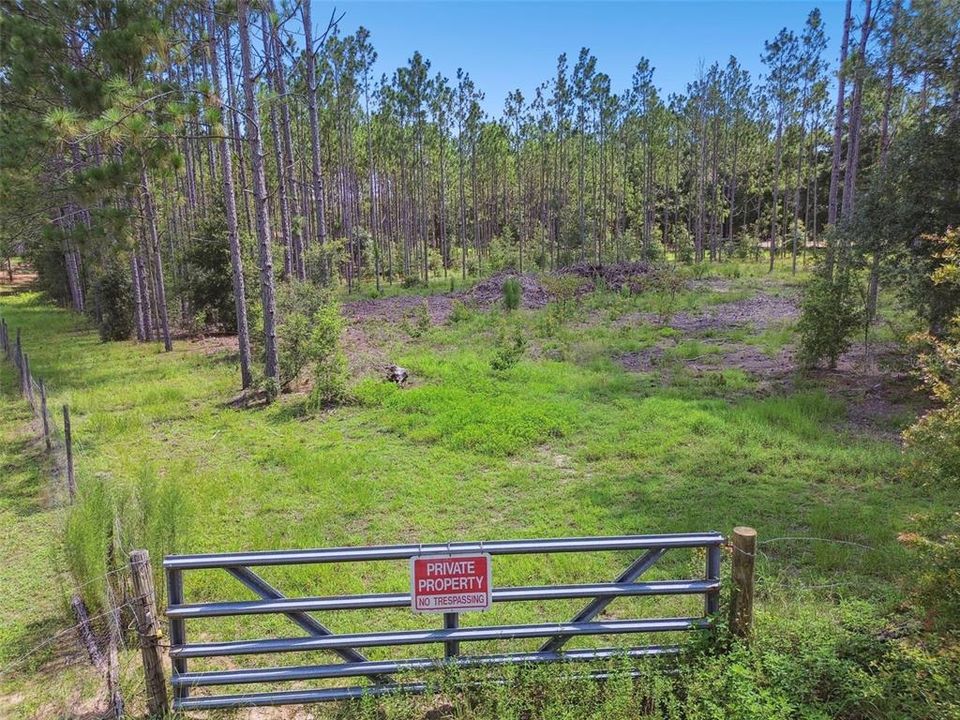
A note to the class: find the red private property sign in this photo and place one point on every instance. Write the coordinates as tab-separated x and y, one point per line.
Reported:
450	583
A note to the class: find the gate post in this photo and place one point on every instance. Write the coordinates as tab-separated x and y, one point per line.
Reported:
148	629
742	576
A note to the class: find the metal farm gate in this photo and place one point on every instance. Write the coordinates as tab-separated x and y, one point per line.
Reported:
350	646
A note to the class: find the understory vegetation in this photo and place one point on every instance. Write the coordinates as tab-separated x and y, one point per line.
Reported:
526	423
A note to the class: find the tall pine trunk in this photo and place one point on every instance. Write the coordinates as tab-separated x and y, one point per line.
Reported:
832	198
150	221
315	166
230	205
271	361
856	116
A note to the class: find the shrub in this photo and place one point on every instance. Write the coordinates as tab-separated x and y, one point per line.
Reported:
459	312
417	321
208	281
935	438
113	302
309	334
511	293
682	243
502	252
653	251
509	351
938	579
830	312
563	289
665	284
321	261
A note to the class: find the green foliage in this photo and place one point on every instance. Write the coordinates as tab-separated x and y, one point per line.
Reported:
113	303
510	348
653	251
682	242
502	252
321	261
208	281
832	666
416	322
665	285
935	437
938	578
459	312
309	335
744	246
831	311
909	203
109	518
511	293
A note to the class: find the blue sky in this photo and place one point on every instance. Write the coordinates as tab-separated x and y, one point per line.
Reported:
508	45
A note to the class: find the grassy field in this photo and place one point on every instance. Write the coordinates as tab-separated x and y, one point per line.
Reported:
612	422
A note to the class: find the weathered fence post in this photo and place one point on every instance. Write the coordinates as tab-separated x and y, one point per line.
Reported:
86	634
18	360
742	575
149	631
43	414
68	441
28	381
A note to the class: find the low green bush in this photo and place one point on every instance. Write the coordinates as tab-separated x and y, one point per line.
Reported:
459	312
509	351
113	302
511	293
308	334
830	313
843	665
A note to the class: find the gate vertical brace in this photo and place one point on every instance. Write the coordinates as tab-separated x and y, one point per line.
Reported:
711	600
451	621
637	568
178	635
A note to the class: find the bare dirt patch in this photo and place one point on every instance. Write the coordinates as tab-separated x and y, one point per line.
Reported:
396	309
759	312
214	344
878	388
616	276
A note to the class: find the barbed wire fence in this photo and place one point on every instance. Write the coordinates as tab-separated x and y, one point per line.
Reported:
129	599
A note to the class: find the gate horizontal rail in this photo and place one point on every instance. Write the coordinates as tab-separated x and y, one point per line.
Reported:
320	638
395	600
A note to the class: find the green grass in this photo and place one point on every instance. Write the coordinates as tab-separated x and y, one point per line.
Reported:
567	442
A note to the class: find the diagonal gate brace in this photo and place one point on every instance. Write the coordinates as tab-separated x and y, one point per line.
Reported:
261	587
637	568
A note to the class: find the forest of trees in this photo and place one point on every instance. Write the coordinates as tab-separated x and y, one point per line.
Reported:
168	163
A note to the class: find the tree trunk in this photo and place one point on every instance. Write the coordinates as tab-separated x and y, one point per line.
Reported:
856	115
316	170
838	119
271	362
279	158
151	225
230	205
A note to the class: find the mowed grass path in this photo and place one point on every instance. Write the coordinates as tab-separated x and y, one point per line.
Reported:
577	446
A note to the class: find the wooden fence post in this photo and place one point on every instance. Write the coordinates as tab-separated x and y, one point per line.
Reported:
68	441
28	381
18	360
149	631
43	414
742	575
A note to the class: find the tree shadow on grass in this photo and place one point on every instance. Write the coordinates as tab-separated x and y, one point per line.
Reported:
24	477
